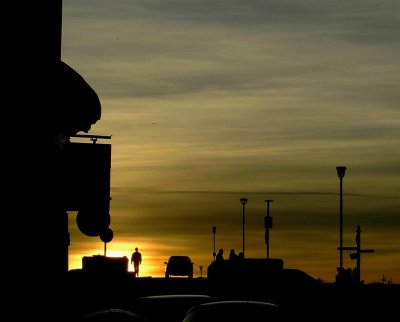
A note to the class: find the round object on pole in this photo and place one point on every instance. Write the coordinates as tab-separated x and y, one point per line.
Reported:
93	223
107	235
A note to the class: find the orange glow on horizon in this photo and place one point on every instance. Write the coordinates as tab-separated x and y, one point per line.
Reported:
152	265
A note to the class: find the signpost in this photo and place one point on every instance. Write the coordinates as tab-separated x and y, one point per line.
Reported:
357	254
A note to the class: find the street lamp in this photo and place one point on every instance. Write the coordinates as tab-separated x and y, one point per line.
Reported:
243	201
268	226
214	230
341	170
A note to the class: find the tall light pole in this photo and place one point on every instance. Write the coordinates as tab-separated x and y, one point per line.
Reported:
243	201
268	226
341	170
214	230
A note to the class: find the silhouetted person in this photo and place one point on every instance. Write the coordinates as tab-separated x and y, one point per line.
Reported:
220	255
232	255
136	261
241	256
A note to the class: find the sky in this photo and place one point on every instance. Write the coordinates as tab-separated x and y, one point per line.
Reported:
209	101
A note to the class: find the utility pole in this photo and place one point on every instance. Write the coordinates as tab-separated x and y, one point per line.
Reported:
357	254
267	225
341	170
243	201
214	230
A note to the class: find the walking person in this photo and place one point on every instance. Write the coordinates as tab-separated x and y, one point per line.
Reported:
136	261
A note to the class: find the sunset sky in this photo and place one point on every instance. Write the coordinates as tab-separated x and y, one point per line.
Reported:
211	101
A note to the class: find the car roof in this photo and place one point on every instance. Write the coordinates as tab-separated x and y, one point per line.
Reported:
180	256
234	310
116	315
175	296
167	307
233	303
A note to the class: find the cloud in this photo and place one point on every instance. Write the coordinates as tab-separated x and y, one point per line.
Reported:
207	101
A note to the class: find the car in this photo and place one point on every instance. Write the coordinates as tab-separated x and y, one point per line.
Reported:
167	307
115	315
179	265
234	310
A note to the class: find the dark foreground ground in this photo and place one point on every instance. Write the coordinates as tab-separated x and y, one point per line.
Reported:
300	298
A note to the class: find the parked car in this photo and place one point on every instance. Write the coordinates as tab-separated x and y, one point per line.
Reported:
115	315
179	266
167	307
234	310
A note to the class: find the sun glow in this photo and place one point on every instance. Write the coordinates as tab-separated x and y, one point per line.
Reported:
152	262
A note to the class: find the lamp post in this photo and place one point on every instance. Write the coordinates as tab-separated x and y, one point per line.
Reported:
341	170
214	230
268	225
243	201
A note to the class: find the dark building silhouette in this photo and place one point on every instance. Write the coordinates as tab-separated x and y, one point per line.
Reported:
47	100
